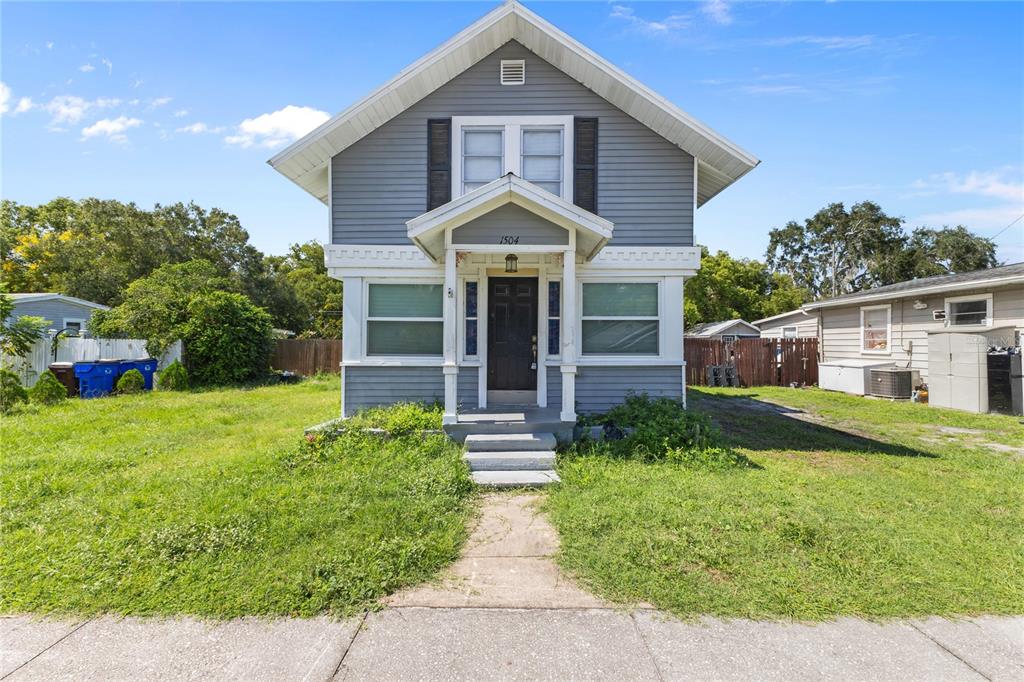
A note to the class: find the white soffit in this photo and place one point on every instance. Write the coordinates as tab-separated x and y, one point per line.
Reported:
720	161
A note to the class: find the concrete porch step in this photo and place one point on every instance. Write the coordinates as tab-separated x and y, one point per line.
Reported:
510	442
536	460
515	479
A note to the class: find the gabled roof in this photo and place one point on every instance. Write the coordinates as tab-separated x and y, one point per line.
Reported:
427	230
61	297
998	276
714	328
720	162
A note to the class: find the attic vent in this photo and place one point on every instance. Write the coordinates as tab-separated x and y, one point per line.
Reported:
513	71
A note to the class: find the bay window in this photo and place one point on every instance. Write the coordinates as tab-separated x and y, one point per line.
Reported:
404	319
620	318
535	148
875	327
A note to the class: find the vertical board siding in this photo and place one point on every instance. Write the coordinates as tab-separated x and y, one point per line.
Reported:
645	183
307	356
840	327
598	389
507	220
758	362
374	386
468	388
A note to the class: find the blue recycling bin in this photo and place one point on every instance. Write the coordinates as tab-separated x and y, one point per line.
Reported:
146	366
95	379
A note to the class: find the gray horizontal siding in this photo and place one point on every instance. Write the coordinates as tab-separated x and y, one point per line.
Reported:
600	388
468	388
555	386
373	386
510	220
645	183
53	311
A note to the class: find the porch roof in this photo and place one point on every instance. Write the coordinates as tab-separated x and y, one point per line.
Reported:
592	232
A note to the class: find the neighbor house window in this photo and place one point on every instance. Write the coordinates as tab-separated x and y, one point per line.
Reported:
542	157
535	148
554	317
74	323
471	318
620	318
404	319
482	156
728	338
969	310
789	332
875	328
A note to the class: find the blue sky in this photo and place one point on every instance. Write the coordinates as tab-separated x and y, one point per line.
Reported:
918	106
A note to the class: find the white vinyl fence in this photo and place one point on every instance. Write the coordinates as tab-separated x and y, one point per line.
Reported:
71	349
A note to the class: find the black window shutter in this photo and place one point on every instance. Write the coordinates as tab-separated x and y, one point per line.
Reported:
584	181
439	162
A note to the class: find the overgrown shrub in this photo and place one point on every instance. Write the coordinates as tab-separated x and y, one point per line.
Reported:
659	429
48	390
227	339
399	419
11	391
173	378
131	381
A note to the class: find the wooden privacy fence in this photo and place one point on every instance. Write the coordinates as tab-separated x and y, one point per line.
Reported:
307	356
758	362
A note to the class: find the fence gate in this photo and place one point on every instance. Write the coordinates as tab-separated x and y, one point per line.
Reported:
307	356
758	362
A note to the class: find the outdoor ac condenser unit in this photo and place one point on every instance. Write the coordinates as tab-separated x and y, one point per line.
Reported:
892	383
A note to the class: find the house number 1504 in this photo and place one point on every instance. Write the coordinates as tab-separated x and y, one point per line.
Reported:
509	239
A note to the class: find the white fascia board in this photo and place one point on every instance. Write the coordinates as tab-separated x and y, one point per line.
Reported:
60	297
678	260
911	293
780	316
722	161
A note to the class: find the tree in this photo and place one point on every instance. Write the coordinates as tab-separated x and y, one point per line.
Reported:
227	339
838	251
931	252
317	296
19	335
727	288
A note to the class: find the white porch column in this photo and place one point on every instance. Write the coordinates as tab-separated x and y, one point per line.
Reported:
569	316
451	321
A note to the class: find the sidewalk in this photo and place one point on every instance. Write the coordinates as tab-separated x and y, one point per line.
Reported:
503	611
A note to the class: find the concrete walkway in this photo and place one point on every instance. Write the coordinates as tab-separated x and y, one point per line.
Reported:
505	612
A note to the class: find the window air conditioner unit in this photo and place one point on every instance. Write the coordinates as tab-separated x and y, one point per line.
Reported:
938	315
892	382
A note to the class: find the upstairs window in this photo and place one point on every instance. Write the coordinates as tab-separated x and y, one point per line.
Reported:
969	310
535	148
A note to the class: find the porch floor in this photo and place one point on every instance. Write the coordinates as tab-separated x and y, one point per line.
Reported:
509	419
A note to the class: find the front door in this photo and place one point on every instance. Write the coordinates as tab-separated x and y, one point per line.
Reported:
512	334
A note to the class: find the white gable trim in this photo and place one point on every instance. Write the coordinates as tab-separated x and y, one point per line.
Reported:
20	298
721	162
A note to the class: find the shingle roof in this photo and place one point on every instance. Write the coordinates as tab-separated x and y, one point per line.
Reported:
1004	274
712	328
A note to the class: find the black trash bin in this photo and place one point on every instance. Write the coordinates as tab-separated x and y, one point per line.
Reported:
65	373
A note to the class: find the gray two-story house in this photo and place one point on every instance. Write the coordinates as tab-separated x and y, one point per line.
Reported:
513	220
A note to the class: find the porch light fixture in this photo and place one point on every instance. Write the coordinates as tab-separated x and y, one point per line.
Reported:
511	263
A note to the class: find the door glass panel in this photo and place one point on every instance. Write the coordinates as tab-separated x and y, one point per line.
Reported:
554	298
620	300
620	336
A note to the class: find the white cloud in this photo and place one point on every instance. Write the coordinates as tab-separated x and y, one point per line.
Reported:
823	42
49	44
24	104
983	220
663	27
137	82
996	184
113	128
180	113
278	127
717	11
160	101
199	128
773	89
109	64
5	97
71	108
86	68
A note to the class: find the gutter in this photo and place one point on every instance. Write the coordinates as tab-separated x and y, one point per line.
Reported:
896	295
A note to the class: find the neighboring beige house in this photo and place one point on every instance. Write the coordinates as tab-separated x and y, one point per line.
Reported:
724	330
892	323
796	324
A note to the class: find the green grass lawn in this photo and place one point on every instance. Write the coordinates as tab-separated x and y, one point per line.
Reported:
871	508
210	503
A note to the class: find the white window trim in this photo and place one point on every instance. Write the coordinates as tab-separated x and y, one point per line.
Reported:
512	138
888	329
79	320
368	358
613	358
962	299
796	332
